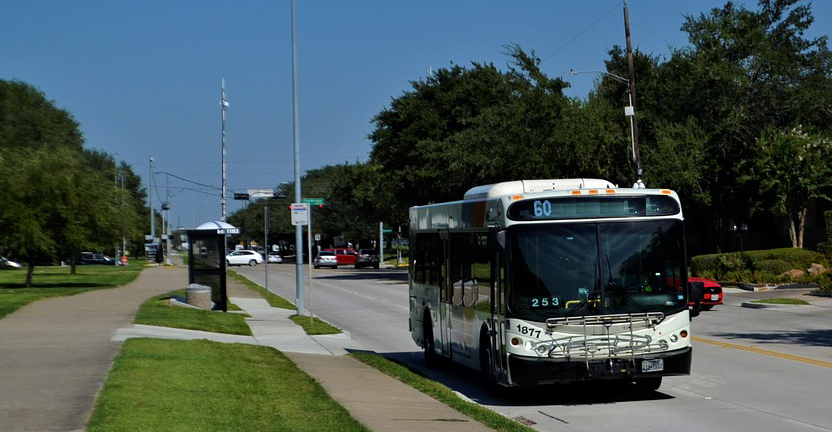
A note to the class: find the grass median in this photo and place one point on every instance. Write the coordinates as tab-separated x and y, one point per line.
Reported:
165	385
56	281
312	326
158	311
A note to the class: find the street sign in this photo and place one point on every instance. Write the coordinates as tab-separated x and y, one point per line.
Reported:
386	230
148	237
300	213
241	196
313	201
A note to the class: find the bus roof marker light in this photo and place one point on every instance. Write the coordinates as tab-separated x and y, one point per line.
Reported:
665	191
517	197
593	191
610	191
576	192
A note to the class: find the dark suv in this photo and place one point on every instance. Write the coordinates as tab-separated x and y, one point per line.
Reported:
367	258
94	258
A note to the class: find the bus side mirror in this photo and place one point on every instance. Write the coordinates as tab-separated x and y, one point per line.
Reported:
694	298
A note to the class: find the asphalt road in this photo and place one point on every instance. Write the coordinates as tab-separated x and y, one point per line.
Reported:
753	369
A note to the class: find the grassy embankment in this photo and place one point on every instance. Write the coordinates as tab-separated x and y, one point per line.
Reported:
56	281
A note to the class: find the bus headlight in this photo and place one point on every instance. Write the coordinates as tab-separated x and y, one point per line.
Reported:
674	338
542	349
528	345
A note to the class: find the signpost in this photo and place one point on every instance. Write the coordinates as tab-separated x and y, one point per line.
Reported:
313	201
300	213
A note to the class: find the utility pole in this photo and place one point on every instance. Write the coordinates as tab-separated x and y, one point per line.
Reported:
298	197
223	104
150	199
632	93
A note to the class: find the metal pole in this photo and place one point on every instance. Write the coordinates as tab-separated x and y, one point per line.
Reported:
150	198
309	258
224	104
167	217
298	198
266	247
381	243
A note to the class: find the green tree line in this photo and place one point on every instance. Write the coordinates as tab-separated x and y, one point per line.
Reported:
738	121
58	198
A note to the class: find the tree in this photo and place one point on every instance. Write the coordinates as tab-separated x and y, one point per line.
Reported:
54	206
57	199
793	168
28	119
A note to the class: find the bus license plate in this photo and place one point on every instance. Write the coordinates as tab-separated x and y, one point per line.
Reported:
656	365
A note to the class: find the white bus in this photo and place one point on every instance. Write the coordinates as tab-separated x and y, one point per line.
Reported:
552	281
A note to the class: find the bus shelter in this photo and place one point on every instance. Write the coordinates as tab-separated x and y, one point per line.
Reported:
206	259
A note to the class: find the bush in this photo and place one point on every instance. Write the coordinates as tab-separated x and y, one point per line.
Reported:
776	266
760	266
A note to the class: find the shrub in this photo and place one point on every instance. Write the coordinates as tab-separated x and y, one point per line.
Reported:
766	265
776	266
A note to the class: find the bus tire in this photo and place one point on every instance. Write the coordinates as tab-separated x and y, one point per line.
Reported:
489	377
431	359
648	384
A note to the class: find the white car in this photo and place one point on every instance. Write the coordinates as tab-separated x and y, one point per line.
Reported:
243	257
275	257
8	264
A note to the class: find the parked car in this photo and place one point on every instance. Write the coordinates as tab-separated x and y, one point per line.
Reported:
274	257
367	258
90	258
345	256
711	292
325	258
7	264
243	257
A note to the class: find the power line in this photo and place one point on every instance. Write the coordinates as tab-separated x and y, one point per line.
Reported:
581	33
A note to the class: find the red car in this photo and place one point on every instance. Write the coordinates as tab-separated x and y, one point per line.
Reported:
345	256
711	292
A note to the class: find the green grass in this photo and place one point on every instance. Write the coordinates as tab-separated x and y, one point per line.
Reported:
273	299
167	385
782	301
314	326
55	281
441	393
159	312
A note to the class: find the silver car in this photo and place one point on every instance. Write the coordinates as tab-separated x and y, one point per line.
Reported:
325	259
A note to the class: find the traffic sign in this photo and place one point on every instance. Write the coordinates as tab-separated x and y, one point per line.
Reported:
300	213
386	230
313	201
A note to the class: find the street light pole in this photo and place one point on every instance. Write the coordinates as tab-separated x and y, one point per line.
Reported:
150	199
298	197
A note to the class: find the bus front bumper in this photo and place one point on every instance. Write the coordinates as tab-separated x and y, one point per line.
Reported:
527	371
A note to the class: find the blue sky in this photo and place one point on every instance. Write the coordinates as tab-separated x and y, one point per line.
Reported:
143	78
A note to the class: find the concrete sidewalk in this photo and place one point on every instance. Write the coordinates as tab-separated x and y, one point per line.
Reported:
55	355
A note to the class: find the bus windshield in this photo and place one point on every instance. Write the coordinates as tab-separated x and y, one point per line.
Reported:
577	269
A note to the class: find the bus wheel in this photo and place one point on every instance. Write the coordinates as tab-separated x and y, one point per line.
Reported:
648	384
489	378
431	359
